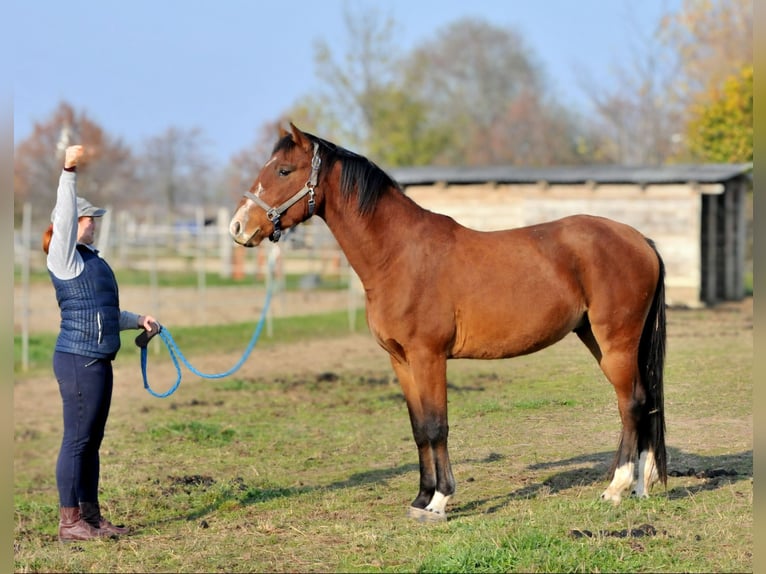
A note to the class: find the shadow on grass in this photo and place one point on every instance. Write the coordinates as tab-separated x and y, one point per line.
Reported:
711	472
238	491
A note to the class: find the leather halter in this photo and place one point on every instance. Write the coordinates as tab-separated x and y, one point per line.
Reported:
273	213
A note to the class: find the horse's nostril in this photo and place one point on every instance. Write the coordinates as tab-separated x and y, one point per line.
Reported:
235	228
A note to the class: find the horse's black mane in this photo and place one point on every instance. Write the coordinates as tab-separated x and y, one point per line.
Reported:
357	172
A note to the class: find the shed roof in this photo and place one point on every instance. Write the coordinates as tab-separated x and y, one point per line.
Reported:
701	173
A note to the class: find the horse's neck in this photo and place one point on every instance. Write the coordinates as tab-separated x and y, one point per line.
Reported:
370	242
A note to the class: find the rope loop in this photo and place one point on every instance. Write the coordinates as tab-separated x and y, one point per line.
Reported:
178	357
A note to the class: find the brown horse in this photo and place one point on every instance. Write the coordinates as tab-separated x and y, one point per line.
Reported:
436	290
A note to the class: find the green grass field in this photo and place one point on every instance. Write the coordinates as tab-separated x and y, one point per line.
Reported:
300	470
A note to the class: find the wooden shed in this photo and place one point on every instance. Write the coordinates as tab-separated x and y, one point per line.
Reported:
694	213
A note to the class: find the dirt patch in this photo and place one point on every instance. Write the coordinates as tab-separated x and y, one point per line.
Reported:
640	532
723	319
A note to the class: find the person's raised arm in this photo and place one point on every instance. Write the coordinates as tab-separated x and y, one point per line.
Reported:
63	260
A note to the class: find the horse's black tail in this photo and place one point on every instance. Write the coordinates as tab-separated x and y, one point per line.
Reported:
651	363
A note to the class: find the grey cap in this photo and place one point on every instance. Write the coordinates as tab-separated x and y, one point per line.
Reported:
85	209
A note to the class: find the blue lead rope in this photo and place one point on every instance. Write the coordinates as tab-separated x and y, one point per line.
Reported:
176	354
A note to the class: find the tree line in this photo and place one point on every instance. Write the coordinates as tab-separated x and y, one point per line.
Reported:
472	95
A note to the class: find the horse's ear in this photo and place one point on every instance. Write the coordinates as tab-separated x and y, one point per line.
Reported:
300	138
283	132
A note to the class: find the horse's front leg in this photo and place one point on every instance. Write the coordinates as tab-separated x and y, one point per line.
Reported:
424	383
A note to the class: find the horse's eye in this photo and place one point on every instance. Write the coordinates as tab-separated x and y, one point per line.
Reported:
283	171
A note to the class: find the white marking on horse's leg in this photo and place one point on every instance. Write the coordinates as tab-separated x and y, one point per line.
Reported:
438	503
623	478
647	473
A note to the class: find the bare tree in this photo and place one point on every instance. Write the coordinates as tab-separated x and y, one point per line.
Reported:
473	69
352	82
105	178
482	82
244	166
532	132
637	120
473	95
364	103
175	168
642	115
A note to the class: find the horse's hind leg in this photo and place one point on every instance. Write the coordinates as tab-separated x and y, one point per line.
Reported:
618	362
624	464
647	472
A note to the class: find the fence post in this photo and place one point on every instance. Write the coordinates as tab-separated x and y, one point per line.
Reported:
152	235
225	242
104	231
200	225
125	235
26	235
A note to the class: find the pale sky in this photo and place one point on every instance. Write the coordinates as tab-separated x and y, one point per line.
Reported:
137	68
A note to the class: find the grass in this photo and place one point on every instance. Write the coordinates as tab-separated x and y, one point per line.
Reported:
283	471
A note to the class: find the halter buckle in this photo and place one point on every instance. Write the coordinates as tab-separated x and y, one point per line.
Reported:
277	233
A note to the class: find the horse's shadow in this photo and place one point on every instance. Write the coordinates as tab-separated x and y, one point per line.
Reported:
239	491
710	472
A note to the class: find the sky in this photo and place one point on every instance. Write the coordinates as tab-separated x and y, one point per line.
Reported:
227	67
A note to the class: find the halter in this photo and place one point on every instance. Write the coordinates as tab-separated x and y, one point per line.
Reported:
273	213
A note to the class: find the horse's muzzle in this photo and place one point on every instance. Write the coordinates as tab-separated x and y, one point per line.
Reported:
238	233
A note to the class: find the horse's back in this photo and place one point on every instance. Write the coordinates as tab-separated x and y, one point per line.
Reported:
584	248
582	232
591	247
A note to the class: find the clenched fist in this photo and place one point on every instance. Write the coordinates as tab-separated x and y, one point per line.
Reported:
73	155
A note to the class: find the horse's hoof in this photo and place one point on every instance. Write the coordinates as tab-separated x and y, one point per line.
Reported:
423	515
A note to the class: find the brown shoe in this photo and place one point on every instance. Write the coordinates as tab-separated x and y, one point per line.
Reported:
107	526
91	513
72	527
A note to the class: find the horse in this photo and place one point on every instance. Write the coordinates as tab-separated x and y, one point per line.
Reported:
436	290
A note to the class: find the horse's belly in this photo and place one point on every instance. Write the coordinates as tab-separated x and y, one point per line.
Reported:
498	336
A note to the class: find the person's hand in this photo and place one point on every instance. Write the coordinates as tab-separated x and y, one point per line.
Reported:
72	155
148	323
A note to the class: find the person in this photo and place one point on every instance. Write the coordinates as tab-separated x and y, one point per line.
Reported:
88	341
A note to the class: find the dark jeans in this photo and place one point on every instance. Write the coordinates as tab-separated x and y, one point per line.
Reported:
86	391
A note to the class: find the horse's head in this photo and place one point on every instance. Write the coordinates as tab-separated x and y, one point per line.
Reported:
282	195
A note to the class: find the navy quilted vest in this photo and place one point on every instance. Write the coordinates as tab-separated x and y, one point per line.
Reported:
90	309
